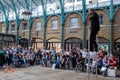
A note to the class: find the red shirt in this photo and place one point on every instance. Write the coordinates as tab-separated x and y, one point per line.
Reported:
113	62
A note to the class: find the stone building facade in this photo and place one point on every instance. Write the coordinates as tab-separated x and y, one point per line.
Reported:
72	35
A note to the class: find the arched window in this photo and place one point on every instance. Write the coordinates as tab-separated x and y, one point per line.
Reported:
73	43
53	42
37	43
103	43
117	44
23	42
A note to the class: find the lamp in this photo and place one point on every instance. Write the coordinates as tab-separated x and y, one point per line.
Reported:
26	16
90	2
26	13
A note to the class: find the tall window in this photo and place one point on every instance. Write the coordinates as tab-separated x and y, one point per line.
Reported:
74	23
101	19
24	27
1	29
54	24
38	26
13	27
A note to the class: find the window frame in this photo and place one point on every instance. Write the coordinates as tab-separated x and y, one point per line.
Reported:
71	25
56	24
36	28
12	28
25	29
101	19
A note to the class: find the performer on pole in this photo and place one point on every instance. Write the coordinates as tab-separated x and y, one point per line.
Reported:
94	28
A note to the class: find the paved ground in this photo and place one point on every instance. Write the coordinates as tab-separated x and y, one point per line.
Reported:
43	73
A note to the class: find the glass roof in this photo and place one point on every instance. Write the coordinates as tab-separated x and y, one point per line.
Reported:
52	6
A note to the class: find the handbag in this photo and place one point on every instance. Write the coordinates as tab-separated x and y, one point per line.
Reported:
111	72
103	69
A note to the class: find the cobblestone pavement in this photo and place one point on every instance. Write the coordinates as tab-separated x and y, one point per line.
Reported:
43	73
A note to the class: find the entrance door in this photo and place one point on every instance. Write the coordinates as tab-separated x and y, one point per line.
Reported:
53	42
23	42
117	44
103	43
72	43
37	43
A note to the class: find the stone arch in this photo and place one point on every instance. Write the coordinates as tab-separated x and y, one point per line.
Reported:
72	42
72	15
102	39
53	42
73	39
104	10
35	21
117	40
117	44
23	42
53	17
103	43
116	24
37	42
116	17
53	39
38	32
115	11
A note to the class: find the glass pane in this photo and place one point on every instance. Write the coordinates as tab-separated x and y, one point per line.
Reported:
38	26
24	27
101	19
13	27
54	24
74	23
1	29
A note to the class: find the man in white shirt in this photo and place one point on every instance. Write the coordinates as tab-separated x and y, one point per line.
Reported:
84	54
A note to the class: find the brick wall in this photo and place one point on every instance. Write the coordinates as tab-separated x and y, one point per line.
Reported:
77	32
38	33
50	33
73	32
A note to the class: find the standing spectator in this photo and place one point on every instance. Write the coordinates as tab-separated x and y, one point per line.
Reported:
73	58
84	54
53	51
80	63
62	51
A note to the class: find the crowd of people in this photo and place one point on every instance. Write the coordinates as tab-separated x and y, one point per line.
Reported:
76	58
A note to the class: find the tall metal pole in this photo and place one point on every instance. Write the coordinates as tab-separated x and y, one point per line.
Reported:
44	8
62	22
83	21
111	23
88	67
29	35
17	19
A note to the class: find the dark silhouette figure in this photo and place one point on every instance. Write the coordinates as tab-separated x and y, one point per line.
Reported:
94	27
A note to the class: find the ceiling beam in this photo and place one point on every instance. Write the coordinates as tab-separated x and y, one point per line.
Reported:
34	2
7	4
6	16
50	1
20	3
